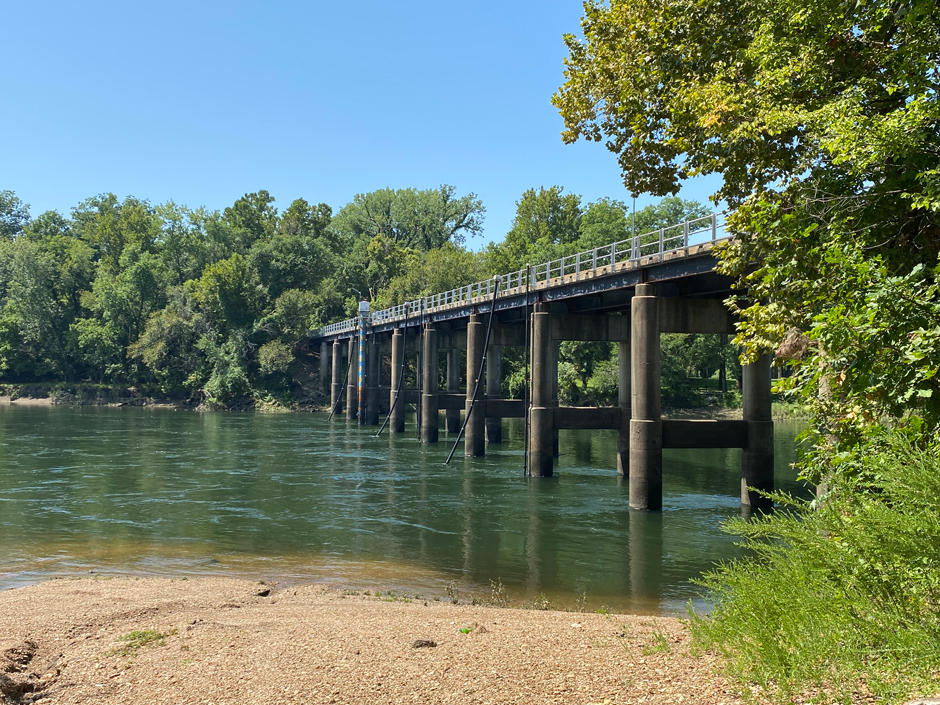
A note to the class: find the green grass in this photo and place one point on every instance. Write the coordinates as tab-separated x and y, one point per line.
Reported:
136	640
841	598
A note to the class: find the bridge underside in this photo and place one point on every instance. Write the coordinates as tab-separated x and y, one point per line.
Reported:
630	306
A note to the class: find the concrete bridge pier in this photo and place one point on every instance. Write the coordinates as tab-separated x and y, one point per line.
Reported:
373	370
324	366
474	438
553	373
452	416
757	457
494	390
542	413
646	426
625	401
429	386
336	385
352	390
397	420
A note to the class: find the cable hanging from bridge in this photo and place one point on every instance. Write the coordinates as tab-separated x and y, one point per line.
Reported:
476	386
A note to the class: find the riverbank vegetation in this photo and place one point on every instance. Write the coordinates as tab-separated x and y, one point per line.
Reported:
823	120
215	307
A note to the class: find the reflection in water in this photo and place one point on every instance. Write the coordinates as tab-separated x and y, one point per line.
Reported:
291	497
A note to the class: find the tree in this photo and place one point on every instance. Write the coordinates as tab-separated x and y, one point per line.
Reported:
822	118
415	219
47	278
445	268
110	226
229	293
14	215
545	219
252	218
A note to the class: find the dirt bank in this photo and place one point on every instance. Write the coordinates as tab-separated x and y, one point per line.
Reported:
221	640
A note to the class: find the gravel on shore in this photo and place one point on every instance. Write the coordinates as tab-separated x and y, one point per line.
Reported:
222	640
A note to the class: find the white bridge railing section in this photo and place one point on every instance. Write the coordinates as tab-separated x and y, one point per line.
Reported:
599	261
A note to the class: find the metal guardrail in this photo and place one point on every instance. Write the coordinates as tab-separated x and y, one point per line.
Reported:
599	261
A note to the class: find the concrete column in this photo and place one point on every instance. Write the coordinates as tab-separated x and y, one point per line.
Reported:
324	366
336	387
352	391
553	374
452	416
646	426
542	413
429	386
397	420
474	439
757	459
625	401
373	371
494	390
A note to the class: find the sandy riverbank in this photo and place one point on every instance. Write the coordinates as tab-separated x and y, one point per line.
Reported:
230	641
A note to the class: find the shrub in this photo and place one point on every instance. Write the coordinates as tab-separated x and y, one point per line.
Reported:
841	596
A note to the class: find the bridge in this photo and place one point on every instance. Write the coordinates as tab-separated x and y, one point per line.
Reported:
628	292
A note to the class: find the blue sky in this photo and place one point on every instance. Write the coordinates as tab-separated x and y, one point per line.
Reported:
200	102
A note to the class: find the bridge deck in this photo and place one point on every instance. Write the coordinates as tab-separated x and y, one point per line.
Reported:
671	253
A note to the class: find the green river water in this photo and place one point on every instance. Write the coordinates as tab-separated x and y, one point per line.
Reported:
292	498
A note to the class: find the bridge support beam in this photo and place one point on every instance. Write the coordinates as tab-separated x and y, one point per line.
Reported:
336	386
373	370
452	416
494	390
474	439
429	386
542	412
352	390
324	366
757	459
397	420
646	426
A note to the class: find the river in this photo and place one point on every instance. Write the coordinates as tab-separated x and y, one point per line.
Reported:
293	498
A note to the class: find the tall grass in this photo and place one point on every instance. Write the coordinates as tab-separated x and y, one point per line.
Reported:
841	600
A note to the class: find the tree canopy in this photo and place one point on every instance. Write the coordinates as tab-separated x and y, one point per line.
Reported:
823	119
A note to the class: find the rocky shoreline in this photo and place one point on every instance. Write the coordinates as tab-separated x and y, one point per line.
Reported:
223	640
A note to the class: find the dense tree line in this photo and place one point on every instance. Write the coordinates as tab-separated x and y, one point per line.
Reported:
214	306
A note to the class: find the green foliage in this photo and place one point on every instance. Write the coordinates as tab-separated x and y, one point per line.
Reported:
136	640
445	268
421	220
821	118
227	378
545	219
840	597
14	214
167	345
229	292
275	357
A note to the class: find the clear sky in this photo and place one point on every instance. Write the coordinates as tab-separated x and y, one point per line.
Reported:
201	102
